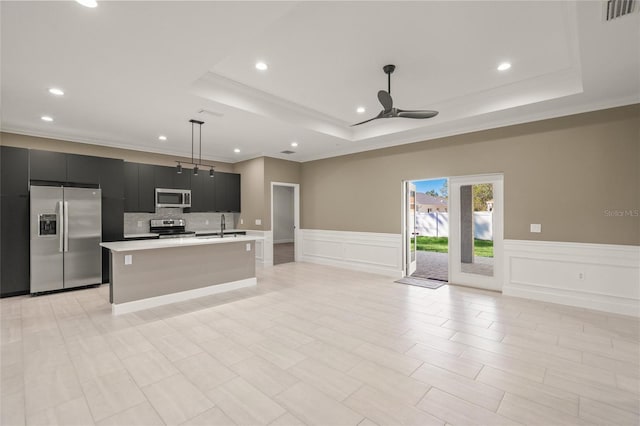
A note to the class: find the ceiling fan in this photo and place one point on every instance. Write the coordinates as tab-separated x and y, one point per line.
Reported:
384	96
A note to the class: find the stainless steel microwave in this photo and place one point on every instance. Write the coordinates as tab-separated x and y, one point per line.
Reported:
173	197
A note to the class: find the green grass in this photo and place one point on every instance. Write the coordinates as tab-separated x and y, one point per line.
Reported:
483	248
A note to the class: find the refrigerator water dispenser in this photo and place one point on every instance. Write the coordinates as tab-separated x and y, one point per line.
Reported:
48	224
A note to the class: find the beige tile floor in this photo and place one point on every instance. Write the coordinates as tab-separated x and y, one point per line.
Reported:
319	346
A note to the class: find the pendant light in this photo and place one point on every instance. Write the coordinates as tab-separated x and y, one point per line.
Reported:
196	165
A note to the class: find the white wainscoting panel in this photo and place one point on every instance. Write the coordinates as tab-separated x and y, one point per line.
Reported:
264	247
363	251
596	276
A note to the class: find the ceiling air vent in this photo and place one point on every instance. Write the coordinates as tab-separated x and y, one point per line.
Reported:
616	8
287	152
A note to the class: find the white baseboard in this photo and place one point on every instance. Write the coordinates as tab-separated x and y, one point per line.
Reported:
152	302
287	240
595	276
361	251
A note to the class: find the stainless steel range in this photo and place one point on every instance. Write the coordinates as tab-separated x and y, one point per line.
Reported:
170	228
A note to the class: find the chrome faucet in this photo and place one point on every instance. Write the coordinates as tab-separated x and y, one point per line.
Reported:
223	226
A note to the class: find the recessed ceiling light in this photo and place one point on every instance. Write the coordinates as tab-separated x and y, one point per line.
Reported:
360	110
162	137
294	144
261	66
88	3
504	66
46	118
56	91
236	150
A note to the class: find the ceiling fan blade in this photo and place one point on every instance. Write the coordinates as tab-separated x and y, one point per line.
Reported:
416	113
385	99
371	119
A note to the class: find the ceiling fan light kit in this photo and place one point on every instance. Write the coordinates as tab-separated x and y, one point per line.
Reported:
385	99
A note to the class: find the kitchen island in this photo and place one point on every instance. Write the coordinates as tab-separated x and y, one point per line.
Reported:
150	273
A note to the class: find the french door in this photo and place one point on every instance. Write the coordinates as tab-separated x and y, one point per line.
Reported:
476	231
410	228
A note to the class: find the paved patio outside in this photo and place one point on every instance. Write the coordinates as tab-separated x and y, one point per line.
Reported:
435	266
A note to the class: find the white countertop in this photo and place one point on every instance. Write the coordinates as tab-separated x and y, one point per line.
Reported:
119	246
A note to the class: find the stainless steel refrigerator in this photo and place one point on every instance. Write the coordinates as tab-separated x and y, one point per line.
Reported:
65	237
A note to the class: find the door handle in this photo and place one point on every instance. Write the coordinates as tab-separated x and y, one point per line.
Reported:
66	226
60	230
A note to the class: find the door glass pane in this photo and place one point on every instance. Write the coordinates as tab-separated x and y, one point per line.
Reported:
476	229
412	223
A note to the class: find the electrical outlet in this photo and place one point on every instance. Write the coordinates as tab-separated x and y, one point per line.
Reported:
248	246
241	221
536	227
258	221
581	276
128	259
206	222
140	224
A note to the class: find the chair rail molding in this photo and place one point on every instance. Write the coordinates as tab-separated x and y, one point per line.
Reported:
595	276
361	251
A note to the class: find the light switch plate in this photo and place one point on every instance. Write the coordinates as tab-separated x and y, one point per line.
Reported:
128	259
241	221
248	246
140	224
258	221
536	227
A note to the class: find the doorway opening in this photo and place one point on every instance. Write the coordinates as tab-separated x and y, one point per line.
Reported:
284	221
454	229
430	234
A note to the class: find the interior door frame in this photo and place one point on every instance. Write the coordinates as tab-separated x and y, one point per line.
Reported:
296	217
456	276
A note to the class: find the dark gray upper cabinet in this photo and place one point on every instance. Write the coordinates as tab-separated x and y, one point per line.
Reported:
83	169
203	193
130	187
182	180
146	188
46	165
14	173
227	194
163	176
112	178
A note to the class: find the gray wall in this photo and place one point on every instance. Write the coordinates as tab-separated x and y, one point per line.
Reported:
567	174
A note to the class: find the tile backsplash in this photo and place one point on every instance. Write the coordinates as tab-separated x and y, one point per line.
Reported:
138	223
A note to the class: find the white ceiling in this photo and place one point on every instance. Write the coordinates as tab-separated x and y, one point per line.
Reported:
134	70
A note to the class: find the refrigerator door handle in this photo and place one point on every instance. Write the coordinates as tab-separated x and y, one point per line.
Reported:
60	213
66	226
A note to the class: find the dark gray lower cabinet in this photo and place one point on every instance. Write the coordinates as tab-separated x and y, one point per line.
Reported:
14	245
